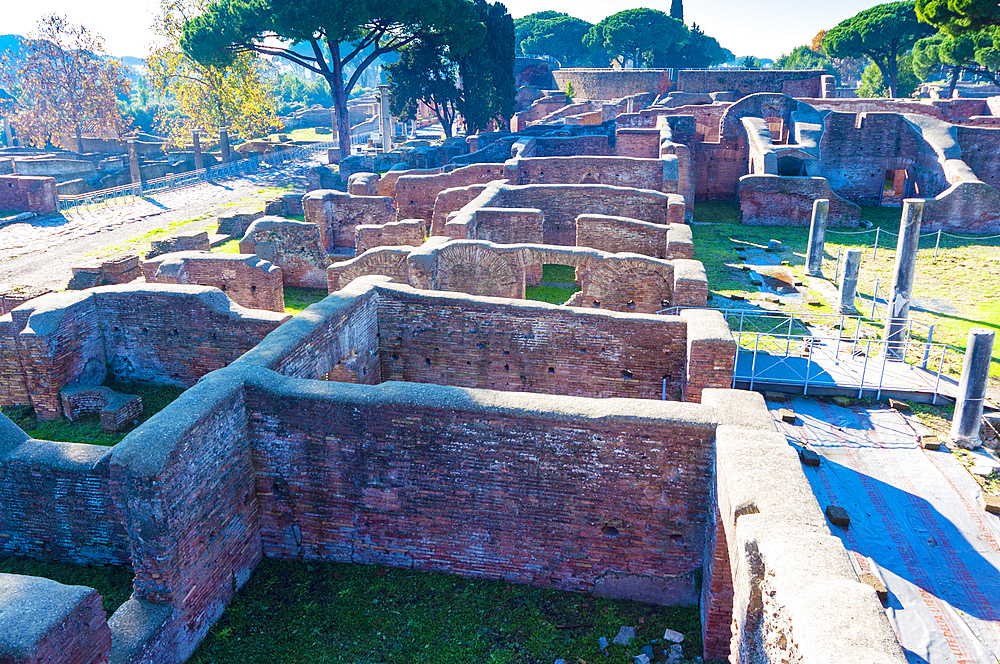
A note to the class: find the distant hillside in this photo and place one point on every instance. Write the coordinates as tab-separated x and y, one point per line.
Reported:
12	47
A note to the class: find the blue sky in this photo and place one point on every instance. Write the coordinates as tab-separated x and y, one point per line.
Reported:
765	29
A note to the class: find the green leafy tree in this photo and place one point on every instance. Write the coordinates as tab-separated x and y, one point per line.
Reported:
370	29
677	10
749	62
958	16
873	83
642	37
803	57
559	35
64	85
424	73
697	51
973	52
487	70
882	34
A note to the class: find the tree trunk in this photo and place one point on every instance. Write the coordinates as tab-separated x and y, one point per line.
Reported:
339	94
893	74
955	72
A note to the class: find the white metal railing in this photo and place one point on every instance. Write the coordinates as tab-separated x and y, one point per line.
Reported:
232	169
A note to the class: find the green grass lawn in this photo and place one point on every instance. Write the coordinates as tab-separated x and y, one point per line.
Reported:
87	429
304	134
329	612
966	274
297	299
114	583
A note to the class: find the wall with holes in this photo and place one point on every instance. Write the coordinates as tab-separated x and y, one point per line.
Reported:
159	333
246	278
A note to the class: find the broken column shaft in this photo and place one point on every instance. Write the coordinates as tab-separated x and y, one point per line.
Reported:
199	159
972	389
133	162
849	281
817	237
898	311
224	145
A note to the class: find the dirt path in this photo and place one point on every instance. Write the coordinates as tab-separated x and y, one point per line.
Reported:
41	251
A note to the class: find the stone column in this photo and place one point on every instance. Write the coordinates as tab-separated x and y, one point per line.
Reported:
224	144
133	163
849	281
384	119
817	237
972	389
899	296
199	159
8	132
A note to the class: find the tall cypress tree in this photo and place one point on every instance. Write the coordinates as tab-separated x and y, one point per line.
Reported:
677	10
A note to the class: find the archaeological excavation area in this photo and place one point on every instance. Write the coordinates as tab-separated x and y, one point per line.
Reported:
427	413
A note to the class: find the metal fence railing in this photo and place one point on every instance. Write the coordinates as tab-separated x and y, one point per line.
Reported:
215	173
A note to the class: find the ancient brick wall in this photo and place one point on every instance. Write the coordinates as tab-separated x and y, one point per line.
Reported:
159	333
639	143
965	207
614	83
416	194
337	215
718	168
793	82
297	247
618	171
774	200
452	200
57	501
858	150
569	146
247	279
183	482
618	234
427	477
28	193
343	342
981	151
560	205
447	338
391	262
49	622
406	232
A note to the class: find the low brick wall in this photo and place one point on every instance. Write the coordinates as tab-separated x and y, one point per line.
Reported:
416	194
617	282
158	333
622	234
297	247
57	502
406	232
247	279
42	621
775	200
28	193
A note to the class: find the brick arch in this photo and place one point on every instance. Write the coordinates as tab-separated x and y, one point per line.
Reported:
632	284
385	261
479	269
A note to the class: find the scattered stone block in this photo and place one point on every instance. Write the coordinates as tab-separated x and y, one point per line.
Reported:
843	402
774	245
787	415
901	406
809	457
672	636
780	397
736	297
876	583
647	650
625	636
930	442
603	643
990	502
838	516
116	410
641	659
676	654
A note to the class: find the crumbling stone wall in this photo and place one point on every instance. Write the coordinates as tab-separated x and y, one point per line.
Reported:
297	247
613	83
247	279
649	173
337	215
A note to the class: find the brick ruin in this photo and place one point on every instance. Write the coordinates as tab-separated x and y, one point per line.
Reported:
398	420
